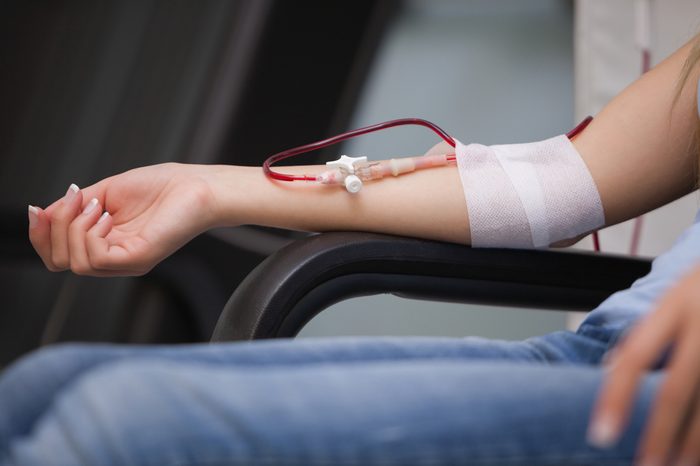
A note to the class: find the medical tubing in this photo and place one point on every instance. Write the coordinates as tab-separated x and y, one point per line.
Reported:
580	127
377	127
342	137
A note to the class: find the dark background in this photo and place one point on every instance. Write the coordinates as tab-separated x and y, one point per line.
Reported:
93	88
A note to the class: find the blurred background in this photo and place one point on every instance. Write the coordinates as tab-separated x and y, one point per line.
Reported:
93	88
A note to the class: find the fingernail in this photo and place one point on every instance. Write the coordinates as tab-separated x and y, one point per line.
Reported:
33	214
103	217
72	191
602	432
91	206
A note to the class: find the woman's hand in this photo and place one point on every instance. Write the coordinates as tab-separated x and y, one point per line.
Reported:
672	431
125	224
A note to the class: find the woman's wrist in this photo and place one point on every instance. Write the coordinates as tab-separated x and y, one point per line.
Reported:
224	185
245	196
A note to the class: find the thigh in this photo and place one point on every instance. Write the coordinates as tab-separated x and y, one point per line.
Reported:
29	387
411	412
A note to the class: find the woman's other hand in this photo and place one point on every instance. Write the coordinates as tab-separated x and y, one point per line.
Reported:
124	224
672	431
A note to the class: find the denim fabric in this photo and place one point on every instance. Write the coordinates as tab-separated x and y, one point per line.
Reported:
348	401
351	401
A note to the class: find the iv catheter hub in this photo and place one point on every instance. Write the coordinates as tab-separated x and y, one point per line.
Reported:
352	171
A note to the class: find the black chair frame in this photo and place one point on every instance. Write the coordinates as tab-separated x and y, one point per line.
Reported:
302	279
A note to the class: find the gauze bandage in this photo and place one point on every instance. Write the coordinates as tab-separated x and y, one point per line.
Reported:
527	195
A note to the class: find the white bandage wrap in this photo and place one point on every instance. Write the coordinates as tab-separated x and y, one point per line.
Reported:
527	195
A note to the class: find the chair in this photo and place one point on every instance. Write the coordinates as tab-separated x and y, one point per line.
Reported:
297	282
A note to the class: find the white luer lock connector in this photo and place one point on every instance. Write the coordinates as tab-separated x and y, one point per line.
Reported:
346	166
353	184
528	195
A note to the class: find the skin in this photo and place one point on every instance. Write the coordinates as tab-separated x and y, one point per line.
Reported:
639	150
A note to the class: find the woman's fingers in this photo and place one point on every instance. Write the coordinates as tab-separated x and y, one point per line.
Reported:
674	400
77	231
58	233
40	235
640	350
61	218
110	259
673	424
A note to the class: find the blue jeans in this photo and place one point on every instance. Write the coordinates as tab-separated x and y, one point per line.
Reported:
349	401
352	401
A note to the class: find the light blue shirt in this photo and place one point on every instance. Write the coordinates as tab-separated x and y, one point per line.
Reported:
622	308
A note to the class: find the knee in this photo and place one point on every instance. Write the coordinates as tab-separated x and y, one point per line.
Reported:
118	408
116	389
98	419
28	386
49	361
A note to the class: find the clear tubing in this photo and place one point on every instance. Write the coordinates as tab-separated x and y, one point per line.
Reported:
365	130
342	137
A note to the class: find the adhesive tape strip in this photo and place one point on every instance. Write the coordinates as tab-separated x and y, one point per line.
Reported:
527	195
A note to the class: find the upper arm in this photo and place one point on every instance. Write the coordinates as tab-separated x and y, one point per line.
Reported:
641	148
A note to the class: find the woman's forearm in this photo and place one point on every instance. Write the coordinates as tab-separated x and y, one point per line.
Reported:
425	203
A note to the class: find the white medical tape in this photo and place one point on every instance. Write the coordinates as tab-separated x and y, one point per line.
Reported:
516	163
527	195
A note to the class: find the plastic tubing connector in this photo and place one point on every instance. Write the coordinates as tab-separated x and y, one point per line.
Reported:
352	183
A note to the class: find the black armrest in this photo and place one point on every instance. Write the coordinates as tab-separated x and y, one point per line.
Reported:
293	285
